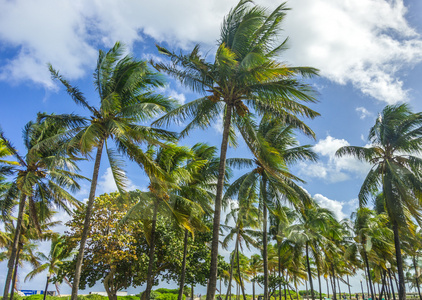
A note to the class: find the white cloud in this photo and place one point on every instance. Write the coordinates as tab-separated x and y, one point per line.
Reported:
335	206
107	185
363	112
365	43
330	167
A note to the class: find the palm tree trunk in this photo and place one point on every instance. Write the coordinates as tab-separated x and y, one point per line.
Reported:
182	277
253	290
15	273
328	287
11	263
348	285
279	270
85	231
334	281
238	272
367	274
416	277
212	283
383	285
319	282
231	272
191	292
46	287
339	289
311	284
150	276
402	287
264	236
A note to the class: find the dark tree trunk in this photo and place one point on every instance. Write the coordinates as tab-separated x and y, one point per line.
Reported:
212	283
334	282
46	288
416	277
150	275
264	236
402	287
383	285
13	253
191	293
87	221
108	284
339	289
182	277
311	284
15	273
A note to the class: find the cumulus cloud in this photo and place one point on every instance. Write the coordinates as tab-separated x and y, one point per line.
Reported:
335	206
330	167
365	43
106	183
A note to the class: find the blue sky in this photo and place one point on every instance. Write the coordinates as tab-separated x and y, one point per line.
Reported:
369	53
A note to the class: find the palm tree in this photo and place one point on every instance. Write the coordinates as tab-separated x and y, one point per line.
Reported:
310	230
255	267
394	138
274	148
245	76
59	253
199	190
43	175
177	167
246	217
125	88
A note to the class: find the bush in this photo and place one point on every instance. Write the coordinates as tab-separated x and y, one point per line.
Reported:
168	296
167	291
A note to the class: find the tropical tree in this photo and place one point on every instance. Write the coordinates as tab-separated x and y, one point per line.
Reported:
255	267
198	190
275	149
44	175
395	139
310	230
244	76
59	253
246	218
177	164
125	88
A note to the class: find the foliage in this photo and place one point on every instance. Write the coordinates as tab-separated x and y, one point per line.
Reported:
111	249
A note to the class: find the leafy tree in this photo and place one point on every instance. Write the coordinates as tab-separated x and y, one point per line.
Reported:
394	138
44	175
112	250
245	76
125	88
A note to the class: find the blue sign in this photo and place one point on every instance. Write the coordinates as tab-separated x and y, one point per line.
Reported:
32	292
